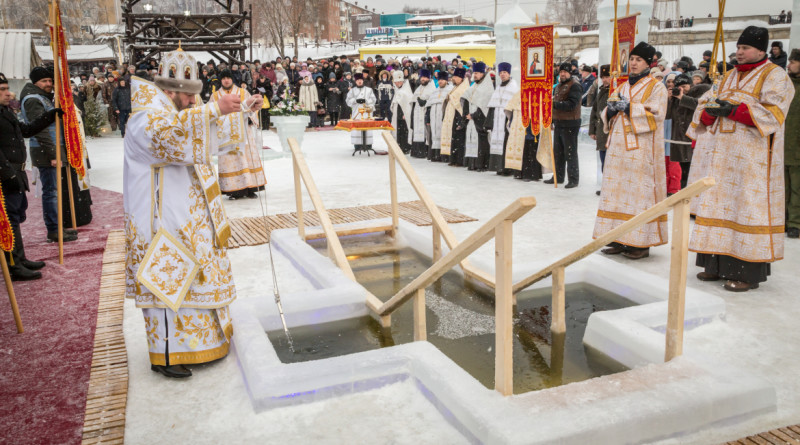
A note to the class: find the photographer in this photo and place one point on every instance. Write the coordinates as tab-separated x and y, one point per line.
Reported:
682	104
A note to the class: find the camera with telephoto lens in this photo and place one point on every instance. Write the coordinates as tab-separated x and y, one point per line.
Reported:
676	91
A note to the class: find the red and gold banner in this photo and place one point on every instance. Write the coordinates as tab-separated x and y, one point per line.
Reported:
72	133
536	87
621	52
6	234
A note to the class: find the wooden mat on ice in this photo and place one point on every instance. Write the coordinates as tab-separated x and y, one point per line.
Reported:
250	231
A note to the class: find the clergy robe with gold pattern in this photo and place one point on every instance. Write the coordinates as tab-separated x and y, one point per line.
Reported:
169	184
742	216
634	176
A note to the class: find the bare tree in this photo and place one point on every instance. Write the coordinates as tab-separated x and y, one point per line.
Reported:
269	21
572	12
296	14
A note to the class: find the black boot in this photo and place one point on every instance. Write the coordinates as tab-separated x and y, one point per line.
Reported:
19	272
174	371
19	252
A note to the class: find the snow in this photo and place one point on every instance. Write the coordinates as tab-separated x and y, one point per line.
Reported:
759	333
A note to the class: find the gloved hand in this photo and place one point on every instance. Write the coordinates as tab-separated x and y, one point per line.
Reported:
611	111
51	115
725	109
624	105
421	102
361	101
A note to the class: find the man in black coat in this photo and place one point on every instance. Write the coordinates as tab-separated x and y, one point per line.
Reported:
566	123
14	180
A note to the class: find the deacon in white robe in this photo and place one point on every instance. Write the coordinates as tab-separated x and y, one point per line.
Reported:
420	137
454	132
400	109
476	109
176	268
360	97
436	114
503	93
241	172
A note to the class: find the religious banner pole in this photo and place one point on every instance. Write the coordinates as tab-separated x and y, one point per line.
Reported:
54	19
7	245
713	72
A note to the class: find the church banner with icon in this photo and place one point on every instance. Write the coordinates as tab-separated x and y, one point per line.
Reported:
621	50
536	88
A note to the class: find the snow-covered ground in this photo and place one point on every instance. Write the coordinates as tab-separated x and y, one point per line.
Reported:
760	334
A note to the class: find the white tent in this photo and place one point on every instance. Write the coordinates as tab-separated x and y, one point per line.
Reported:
18	56
80	53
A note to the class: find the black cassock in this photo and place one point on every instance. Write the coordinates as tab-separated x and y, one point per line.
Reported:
458	139
481	163
402	131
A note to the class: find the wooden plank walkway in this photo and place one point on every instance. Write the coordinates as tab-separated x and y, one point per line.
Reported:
251	231
779	436
104	421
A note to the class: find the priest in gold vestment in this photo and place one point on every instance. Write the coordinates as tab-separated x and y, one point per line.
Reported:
739	225
176	268
634	177
241	173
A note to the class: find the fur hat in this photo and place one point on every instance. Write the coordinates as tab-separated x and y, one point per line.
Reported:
605	70
460	72
225	73
645	51
755	36
397	76
479	67
682	79
358	75
699	74
504	66
566	66
178	72
3	79
442	75
40	73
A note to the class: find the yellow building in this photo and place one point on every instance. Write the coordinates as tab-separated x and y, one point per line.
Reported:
481	53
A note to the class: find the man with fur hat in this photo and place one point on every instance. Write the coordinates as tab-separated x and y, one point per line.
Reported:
385	94
566	124
37	100
14	179
739	225
476	109
400	110
241	173
634	176
791	151
420	134
454	131
504	91
777	55
435	114
176	231
360	96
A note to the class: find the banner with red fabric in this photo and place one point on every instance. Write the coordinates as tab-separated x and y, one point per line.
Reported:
6	234
72	135
621	52
536	87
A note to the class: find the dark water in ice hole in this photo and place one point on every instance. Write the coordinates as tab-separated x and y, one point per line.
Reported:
460	321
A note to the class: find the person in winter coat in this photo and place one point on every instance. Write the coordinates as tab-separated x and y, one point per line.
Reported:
321	90
245	75
284	90
121	103
385	95
680	108
791	149
345	84
333	98
777	55
263	86
599	103
587	79
309	99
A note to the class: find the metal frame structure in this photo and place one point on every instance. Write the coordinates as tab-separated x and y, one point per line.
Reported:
224	35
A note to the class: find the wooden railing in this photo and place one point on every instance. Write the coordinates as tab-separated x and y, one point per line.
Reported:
335	250
678	263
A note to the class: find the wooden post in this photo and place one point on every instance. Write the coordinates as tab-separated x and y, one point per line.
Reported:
677	280
56	85
393	191
420	326
298	199
71	197
11	297
503	337
437	243
557	309
557	344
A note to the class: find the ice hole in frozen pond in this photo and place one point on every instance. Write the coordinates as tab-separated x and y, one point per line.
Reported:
460	323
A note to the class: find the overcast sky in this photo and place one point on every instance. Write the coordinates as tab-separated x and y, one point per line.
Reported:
484	9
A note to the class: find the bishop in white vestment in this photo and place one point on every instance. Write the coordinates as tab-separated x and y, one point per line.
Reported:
176	268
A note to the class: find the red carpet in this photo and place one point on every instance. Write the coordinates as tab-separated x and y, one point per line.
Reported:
44	372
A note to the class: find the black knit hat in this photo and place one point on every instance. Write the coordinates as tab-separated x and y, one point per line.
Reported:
225	73
605	70
682	79
755	36
645	51
40	73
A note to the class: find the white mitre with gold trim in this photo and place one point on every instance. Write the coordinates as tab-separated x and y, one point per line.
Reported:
178	72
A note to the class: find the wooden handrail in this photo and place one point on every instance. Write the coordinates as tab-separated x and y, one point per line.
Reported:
486	232
335	247
639	220
439	222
